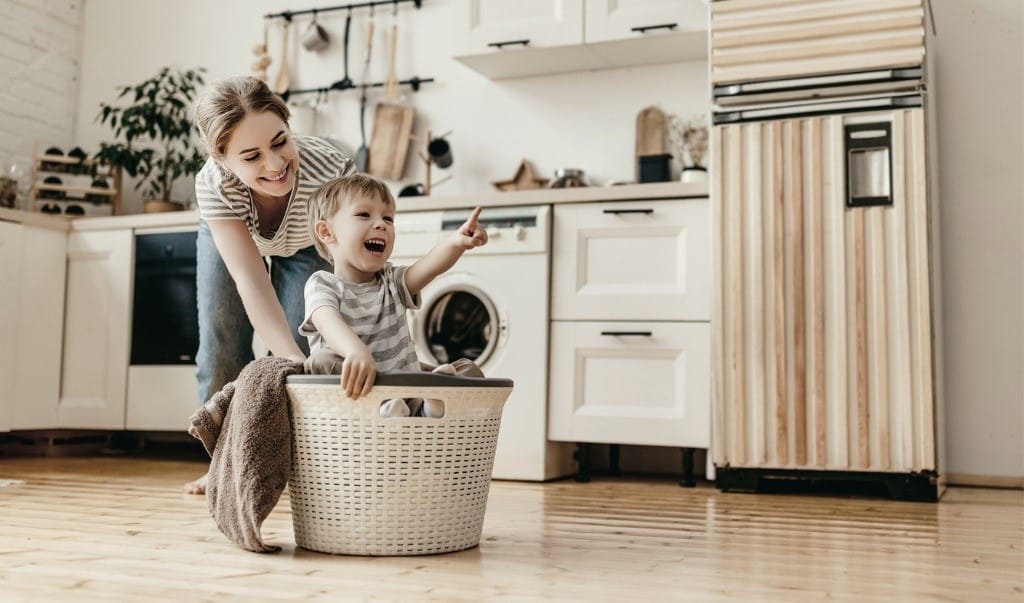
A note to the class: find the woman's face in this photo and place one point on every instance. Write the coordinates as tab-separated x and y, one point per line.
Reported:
262	153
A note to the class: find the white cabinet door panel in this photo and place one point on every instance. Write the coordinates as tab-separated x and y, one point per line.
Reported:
636	260
630	383
608	20
542	23
40	329
97	325
10	277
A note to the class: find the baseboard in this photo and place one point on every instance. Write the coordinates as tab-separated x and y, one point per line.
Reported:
985	481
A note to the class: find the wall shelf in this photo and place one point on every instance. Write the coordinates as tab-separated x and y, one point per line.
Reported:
523	61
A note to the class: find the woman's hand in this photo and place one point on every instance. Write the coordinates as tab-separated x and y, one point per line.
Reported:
358	371
470	234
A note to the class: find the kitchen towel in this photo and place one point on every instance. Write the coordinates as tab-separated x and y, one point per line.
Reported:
251	451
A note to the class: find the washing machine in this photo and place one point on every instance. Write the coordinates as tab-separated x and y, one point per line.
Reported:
492	307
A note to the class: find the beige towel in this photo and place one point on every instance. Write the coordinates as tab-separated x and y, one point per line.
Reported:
251	449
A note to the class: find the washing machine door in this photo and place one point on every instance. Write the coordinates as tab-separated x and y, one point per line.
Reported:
457	320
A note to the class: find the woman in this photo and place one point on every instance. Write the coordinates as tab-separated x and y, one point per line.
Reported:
252	196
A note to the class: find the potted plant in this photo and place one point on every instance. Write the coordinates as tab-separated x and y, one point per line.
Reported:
154	135
690	140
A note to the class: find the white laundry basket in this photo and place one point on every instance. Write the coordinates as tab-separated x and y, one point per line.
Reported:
362	484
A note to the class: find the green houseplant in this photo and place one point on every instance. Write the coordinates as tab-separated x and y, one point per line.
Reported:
154	136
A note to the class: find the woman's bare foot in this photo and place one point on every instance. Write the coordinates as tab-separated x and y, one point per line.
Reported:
197	486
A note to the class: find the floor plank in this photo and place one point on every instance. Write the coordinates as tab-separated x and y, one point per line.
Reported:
119	529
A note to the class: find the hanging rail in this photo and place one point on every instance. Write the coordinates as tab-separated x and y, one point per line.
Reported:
414	82
288	14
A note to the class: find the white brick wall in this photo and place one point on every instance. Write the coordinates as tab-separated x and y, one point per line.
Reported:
40	44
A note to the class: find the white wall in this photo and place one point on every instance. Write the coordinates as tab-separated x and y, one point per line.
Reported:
584	120
979	60
39	46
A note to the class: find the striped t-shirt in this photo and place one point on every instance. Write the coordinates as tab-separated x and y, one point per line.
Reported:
222	196
375	311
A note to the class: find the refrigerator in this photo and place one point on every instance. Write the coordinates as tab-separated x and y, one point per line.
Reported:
826	341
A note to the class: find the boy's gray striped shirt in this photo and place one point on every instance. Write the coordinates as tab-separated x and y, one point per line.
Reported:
375	311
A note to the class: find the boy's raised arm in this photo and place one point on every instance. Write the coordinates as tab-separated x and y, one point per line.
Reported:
444	255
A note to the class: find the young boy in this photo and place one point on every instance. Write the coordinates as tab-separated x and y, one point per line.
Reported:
355	317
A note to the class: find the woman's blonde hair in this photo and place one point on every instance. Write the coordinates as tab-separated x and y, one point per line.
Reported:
329	198
222	106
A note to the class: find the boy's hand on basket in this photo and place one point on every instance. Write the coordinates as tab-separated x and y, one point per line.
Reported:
357	373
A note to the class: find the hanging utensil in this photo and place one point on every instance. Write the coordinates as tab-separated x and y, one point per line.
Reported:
346	82
392	125
281	83
363	154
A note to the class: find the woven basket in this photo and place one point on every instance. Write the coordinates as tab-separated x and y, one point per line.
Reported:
362	484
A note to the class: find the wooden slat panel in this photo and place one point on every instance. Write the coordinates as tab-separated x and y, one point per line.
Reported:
860	374
770	166
906	57
779	298
753	293
832	46
877	327
824	28
732	212
836	310
901	420
719	399
816	286
920	303
795	294
737	14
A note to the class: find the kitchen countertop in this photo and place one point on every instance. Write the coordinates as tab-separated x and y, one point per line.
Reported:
626	192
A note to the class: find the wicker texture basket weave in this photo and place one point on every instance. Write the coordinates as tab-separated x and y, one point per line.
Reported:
366	485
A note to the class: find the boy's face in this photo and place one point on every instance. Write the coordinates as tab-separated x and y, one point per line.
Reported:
360	237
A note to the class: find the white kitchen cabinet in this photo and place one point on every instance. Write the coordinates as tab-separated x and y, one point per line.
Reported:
10	276
630	331
32	263
634	260
630	383
516	38
608	20
97	330
503	25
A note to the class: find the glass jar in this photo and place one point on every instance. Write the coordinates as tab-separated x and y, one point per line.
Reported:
568	178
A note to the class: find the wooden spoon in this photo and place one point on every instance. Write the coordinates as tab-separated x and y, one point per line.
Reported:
281	83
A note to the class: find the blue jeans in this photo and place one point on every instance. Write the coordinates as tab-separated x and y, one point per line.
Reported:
225	333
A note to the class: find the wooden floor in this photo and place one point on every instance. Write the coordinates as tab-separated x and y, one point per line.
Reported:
118	529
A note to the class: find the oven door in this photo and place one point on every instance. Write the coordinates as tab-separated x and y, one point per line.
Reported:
165	321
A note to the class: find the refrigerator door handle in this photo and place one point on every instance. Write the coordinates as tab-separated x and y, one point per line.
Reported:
868	164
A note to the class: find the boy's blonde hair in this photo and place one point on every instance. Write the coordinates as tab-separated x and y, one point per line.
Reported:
332	195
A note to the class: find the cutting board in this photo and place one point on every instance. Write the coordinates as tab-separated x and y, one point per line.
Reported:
650	132
389	144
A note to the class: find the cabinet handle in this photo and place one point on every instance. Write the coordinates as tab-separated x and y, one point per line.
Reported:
647	28
626	333
500	45
629	211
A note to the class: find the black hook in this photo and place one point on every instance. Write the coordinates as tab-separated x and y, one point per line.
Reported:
415	83
287	16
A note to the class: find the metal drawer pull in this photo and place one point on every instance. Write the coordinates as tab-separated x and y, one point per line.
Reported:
500	45
647	28
629	211
626	333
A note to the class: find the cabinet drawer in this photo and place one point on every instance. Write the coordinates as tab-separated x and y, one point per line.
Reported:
771	39
640	383
637	260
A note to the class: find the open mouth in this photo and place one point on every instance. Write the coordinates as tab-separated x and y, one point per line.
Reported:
280	177
375	246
